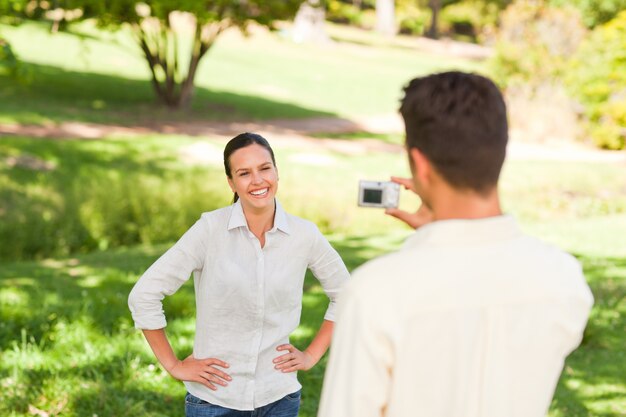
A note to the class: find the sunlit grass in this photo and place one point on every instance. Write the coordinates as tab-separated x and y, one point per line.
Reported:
100	77
68	343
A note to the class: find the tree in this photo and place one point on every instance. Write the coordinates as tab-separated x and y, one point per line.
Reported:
159	27
437	5
433	30
386	17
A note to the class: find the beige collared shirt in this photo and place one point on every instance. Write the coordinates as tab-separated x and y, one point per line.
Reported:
470	319
248	298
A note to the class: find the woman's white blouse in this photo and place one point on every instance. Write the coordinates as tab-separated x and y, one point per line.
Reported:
248	298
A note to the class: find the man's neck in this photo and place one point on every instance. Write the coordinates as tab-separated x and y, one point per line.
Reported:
453	204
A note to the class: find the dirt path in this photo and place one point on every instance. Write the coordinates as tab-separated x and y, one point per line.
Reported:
308	134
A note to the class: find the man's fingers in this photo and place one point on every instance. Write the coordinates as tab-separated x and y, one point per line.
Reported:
406	182
409	218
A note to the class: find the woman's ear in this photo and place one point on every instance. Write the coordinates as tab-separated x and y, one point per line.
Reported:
231	184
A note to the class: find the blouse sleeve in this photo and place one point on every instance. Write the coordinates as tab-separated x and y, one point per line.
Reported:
166	276
329	269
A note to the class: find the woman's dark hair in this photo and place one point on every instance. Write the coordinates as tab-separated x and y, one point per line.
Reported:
241	141
458	121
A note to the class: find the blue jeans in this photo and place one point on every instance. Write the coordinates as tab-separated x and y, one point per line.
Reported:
287	406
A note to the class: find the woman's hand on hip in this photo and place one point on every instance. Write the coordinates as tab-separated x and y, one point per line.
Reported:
203	371
293	360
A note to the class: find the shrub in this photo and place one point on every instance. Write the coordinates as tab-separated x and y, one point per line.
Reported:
595	12
10	64
57	199
535	43
597	78
473	20
412	19
340	12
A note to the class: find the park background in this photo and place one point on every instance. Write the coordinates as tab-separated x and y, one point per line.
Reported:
100	171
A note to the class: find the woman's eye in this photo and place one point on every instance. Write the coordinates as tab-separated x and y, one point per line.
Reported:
243	174
265	168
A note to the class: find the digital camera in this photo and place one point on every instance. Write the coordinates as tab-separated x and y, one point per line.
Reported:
381	194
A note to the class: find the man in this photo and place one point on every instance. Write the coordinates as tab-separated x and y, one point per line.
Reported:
471	317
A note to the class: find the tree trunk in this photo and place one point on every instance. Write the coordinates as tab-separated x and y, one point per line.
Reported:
433	30
160	50
386	17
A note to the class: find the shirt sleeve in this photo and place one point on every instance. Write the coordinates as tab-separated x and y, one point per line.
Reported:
166	276
358	376
329	269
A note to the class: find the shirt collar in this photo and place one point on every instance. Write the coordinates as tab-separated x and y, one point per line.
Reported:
465	231
238	218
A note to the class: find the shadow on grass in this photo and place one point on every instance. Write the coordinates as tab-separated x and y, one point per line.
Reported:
98	194
60	297
56	95
79	305
600	361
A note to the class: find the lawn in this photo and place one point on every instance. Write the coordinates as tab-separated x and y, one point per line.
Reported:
81	220
76	303
100	77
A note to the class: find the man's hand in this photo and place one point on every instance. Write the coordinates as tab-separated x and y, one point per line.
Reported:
422	216
294	360
202	371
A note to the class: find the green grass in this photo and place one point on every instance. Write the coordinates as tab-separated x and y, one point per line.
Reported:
100	77
92	215
66	338
67	341
392	138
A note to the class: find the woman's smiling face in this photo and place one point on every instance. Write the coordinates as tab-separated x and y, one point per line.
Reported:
254	177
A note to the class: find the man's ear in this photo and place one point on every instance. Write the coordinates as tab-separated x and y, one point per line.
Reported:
422	167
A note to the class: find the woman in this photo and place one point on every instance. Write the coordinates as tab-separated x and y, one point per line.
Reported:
248	262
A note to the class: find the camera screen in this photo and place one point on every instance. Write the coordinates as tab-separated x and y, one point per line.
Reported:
372	196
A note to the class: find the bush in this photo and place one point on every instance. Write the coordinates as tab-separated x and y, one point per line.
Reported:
412	19
58	199
9	63
595	12
472	20
340	12
535	43
597	78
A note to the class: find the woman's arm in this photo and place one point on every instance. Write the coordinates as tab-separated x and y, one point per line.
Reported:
295	360
329	269
190	369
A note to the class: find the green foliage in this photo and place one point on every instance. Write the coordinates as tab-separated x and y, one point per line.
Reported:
473	20
79	197
597	78
413	18
95	77
535	43
595	12
9	63
63	197
160	26
342	12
